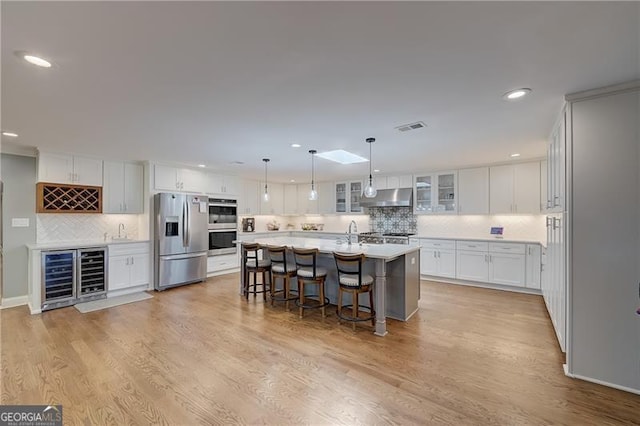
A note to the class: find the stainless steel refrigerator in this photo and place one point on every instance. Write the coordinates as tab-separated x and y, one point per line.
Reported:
181	239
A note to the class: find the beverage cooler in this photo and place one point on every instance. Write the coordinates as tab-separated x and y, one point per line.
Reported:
72	276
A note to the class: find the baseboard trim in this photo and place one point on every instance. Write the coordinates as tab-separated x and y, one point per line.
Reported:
602	382
501	287
12	302
225	272
34	311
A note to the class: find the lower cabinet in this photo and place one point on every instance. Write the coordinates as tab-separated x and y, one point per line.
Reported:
533	278
495	263
129	266
222	263
438	258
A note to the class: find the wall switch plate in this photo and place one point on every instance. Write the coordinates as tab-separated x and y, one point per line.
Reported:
20	222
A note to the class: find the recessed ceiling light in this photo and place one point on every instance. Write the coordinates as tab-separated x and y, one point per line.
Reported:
295	145
10	134
33	59
201	165
516	94
341	156
515	155
292	180
376	170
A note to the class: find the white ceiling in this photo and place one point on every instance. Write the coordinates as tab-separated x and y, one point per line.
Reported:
212	83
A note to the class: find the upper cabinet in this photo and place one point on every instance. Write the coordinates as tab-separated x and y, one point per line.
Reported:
61	168
435	193
275	205
123	188
473	191
347	197
248	198
223	185
168	178
393	182
515	189
556	166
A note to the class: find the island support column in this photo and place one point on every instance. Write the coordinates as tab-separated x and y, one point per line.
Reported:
380	293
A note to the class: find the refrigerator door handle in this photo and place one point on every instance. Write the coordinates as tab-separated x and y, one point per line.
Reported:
184	225
184	256
188	223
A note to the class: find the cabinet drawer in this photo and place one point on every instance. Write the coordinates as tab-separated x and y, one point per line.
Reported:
507	248
438	244
472	245
125	249
220	263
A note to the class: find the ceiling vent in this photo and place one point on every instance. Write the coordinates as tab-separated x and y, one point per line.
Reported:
411	126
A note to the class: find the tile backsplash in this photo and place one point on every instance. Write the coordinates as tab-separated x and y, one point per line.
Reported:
516	227
83	227
393	219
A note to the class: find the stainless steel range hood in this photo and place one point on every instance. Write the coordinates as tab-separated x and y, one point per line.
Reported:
400	197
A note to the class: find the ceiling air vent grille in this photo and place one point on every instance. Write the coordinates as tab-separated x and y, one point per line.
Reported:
411	126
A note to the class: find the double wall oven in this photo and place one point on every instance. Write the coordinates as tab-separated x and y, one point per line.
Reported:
223	225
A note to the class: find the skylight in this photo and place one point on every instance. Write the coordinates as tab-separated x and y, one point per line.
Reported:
341	156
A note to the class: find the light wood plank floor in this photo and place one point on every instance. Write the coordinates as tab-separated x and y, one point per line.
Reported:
200	354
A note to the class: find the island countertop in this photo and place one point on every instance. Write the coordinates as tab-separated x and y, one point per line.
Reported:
373	251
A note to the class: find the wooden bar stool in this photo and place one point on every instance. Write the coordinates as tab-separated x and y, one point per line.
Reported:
253	265
352	280
281	268
310	274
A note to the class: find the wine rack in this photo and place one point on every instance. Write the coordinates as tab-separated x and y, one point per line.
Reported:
61	198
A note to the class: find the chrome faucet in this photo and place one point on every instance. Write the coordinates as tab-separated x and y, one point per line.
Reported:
355	229
120	229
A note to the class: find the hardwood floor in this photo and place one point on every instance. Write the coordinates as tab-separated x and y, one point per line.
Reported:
201	354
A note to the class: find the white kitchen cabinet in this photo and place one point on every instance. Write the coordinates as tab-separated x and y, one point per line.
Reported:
61	168
544	195
347	197
514	188
438	258
275	205
170	178
556	164
325	201
507	269
222	185
226	262
123	188
472	265
393	182
473	191
291	202
248	203
435	193
128	267
533	271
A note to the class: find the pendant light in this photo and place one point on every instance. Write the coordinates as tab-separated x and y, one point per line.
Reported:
313	194
265	196
370	190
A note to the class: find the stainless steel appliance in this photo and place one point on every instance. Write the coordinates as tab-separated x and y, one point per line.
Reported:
181	244
221	241
399	197
384	238
223	213
73	276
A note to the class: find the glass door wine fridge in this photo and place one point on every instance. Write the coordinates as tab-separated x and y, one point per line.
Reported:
70	276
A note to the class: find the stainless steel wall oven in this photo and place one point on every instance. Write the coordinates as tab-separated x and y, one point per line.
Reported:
223	213
221	241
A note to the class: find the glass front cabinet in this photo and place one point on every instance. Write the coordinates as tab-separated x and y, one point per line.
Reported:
348	196
435	193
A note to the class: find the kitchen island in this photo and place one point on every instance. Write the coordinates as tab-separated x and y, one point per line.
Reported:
396	268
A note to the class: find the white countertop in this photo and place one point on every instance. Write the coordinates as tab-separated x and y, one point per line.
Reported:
374	251
489	240
80	244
